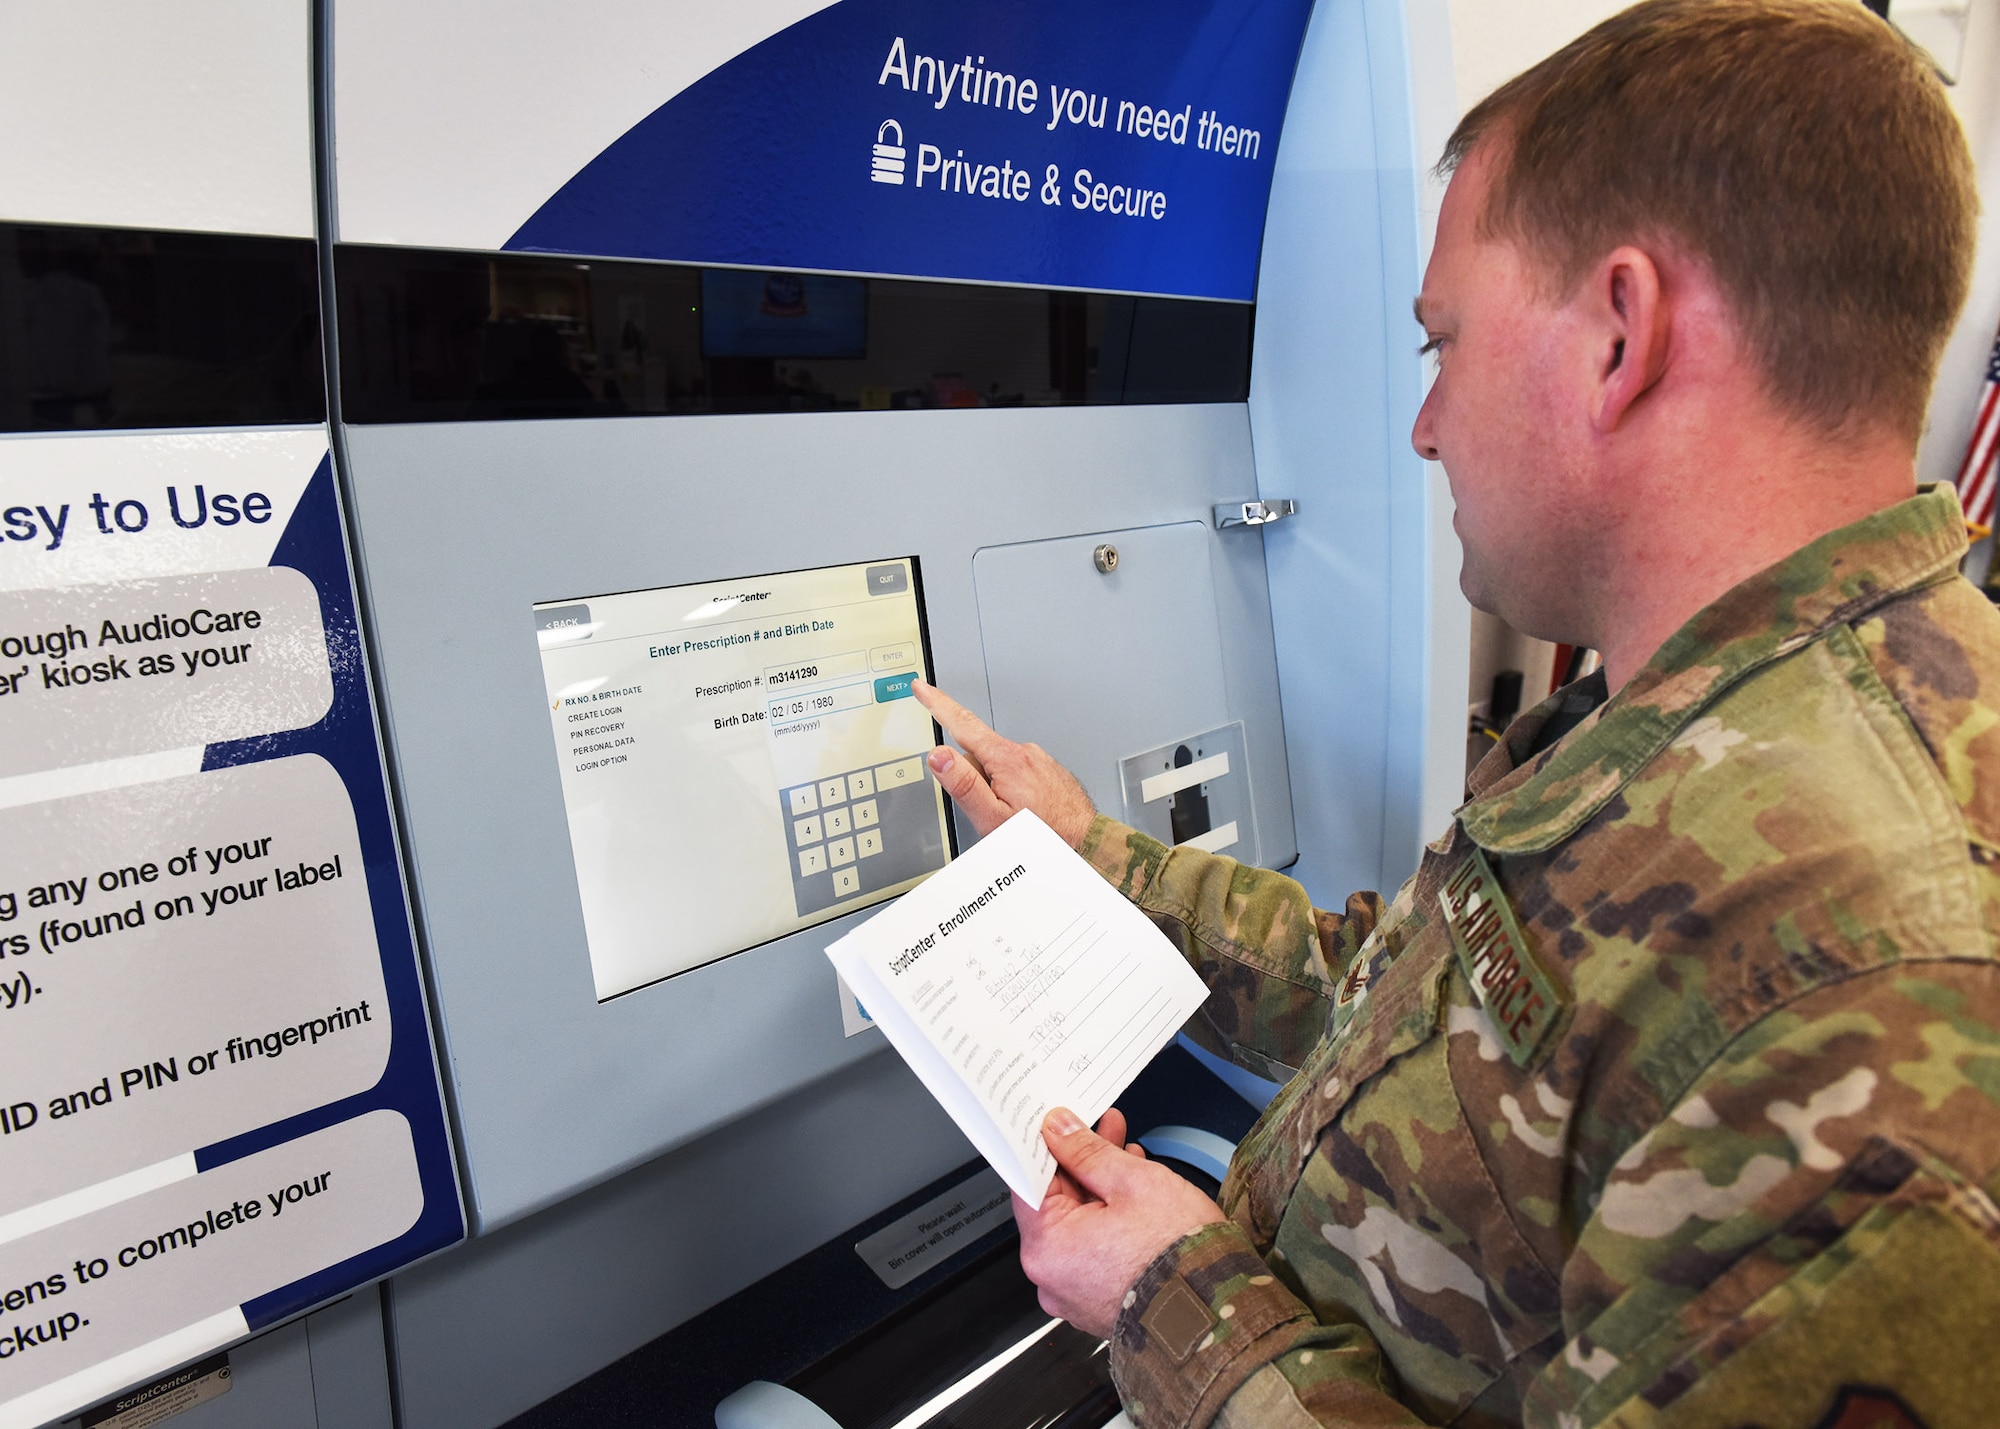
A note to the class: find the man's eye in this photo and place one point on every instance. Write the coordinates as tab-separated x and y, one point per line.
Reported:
1434	346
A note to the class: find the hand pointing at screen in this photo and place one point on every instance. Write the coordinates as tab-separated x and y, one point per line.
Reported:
994	778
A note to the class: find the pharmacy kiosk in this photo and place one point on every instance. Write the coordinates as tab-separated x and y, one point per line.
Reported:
477	484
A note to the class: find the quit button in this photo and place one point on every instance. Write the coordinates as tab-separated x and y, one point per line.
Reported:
892	687
888	580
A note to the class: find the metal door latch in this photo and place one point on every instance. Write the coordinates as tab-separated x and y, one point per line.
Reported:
1252	513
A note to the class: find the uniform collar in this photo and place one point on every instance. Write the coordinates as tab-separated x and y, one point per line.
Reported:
1529	807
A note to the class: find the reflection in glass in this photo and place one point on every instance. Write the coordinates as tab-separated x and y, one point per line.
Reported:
110	328
430	336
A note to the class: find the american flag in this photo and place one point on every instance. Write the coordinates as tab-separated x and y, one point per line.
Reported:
1981	470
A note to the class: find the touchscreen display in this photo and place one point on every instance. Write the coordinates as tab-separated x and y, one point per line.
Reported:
740	759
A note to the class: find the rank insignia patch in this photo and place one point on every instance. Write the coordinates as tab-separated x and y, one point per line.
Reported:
1521	998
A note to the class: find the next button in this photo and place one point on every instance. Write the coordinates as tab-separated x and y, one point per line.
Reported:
893	687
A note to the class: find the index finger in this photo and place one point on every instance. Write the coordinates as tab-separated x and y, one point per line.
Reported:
961	723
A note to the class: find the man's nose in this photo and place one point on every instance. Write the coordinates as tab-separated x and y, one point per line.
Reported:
1423	436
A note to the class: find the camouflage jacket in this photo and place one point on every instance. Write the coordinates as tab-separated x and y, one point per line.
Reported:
1667	1092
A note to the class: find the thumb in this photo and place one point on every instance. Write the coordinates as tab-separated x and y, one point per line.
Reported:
961	779
1099	1167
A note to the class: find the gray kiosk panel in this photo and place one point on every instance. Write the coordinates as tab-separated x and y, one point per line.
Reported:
464	528
1140	660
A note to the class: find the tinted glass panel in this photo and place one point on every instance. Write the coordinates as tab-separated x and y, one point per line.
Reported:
107	328
427	336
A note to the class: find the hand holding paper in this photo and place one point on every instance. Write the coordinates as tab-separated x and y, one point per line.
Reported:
1016	981
1103	1222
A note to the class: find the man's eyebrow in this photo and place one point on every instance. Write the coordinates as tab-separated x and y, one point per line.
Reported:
1417	308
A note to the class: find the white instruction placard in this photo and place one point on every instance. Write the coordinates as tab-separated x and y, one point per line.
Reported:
100	1290
145	1011
218	1102
1017	981
93	672
739	759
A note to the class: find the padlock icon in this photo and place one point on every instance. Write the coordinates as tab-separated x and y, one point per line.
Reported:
888	157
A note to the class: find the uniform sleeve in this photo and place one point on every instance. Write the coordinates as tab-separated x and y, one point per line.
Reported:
1808	1240
1269	958
1209	1335
1809	1236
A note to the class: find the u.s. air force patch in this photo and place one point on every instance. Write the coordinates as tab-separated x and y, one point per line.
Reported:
1522	999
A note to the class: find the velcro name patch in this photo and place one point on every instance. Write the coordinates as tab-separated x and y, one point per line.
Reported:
1521	998
1178	1320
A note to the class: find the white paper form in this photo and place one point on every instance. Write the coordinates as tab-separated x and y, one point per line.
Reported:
1015	981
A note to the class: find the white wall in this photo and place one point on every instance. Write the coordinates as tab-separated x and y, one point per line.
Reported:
1494	40
1976	97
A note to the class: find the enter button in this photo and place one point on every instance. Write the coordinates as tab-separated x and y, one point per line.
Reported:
893	687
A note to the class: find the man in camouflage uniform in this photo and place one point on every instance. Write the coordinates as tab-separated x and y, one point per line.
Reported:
1668	1091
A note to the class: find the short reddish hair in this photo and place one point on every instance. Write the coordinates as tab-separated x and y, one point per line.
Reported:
1803	149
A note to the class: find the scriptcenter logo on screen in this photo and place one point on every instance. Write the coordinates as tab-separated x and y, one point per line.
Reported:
888	167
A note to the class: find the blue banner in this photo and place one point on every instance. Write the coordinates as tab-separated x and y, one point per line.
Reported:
1125	146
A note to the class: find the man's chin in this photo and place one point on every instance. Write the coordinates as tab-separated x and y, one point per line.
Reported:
1490	596
1477	591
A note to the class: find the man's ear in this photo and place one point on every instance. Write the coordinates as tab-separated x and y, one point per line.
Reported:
1629	310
